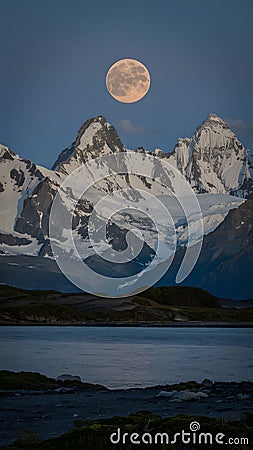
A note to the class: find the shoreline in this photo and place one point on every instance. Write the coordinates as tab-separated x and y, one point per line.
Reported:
182	324
50	413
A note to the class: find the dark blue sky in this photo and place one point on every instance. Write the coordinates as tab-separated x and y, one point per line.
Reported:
54	56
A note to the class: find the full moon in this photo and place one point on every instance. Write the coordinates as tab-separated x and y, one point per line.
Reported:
128	80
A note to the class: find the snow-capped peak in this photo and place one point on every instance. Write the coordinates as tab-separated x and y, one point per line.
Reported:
214	123
158	152
6	153
96	137
213	160
214	118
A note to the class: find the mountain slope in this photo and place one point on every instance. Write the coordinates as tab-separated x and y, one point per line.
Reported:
27	190
225	265
214	160
26	195
226	260
95	138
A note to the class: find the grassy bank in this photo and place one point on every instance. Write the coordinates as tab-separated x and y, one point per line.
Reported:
35	381
150	311
95	435
156	305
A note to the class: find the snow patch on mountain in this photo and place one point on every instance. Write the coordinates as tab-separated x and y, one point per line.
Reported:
214	208
19	177
213	160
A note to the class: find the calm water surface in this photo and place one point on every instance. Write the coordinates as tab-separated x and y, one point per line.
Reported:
130	357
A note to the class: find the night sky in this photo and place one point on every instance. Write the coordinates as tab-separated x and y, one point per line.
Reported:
54	56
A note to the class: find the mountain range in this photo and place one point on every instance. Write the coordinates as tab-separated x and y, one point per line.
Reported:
215	164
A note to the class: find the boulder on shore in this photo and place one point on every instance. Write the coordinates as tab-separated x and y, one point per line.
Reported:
67	377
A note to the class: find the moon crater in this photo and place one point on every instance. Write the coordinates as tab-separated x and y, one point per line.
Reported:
128	80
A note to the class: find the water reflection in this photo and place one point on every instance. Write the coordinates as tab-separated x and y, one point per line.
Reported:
130	357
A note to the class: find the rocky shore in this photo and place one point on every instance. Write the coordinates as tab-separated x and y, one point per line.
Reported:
49	408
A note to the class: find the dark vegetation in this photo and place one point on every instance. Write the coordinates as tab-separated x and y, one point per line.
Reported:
45	313
95	435
35	381
157	305
167	295
40	312
183	296
13	292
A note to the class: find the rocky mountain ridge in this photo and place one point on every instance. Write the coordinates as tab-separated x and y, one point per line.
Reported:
226	261
213	161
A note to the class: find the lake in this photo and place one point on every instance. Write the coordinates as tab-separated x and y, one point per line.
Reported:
121	357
